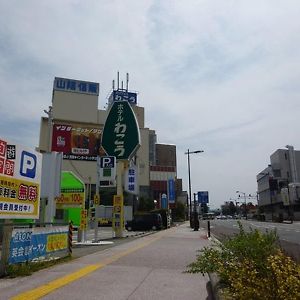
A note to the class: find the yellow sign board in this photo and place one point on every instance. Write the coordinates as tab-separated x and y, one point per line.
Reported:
20	178
70	198
118	214
83	219
57	242
96	199
18	198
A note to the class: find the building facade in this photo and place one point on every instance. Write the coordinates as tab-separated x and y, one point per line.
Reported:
74	127
278	186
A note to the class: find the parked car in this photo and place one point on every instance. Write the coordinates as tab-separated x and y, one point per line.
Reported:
145	222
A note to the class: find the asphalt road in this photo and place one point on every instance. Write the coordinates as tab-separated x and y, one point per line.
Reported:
289	234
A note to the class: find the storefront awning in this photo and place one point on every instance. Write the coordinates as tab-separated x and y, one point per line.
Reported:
70	183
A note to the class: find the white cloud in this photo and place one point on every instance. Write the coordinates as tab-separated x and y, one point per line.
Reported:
222	76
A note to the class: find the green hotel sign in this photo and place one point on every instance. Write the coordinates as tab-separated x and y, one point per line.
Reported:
121	135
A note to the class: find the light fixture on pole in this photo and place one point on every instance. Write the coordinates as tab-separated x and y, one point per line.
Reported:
239	192
190	185
50	123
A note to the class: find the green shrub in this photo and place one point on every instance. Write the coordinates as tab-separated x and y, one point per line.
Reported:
251	266
27	268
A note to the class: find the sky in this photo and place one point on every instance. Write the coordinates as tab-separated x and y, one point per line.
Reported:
219	76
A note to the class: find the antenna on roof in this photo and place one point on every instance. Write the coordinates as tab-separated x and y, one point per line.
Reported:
122	85
127	81
118	79
113	85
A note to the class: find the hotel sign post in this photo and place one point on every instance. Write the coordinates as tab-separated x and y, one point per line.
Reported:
120	138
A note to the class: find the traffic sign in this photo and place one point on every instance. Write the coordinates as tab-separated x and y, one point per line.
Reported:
203	197
121	135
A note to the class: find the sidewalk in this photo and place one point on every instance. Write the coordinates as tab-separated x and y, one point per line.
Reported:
150	267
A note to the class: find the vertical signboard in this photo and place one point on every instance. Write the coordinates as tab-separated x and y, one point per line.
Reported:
131	185
171	191
121	134
20	176
83	219
118	214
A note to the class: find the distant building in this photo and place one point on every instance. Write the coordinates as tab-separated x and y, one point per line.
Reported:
164	173
74	127
278	186
165	155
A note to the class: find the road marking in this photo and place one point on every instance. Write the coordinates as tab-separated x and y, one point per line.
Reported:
51	286
57	283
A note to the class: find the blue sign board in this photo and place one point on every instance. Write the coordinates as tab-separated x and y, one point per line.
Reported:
171	190
77	86
203	197
123	95
107	162
164	202
29	244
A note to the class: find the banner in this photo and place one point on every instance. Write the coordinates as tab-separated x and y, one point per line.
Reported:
31	243
131	180
20	178
171	191
76	142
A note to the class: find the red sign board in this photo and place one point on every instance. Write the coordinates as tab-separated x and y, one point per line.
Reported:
76	142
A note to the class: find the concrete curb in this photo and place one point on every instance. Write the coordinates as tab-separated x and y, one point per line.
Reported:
215	286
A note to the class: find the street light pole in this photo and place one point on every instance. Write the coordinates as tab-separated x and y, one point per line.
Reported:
50	123
190	188
245	202
190	185
195	213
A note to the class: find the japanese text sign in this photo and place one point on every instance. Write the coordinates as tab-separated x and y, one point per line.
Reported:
76	86
83	219
76	142
131	185
31	243
121	135
118	214
20	176
123	95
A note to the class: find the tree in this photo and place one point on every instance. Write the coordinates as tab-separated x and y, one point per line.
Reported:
178	213
146	204
228	208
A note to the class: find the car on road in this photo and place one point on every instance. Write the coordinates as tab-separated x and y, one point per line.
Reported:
145	222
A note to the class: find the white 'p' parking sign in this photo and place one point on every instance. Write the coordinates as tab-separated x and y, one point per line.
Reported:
107	171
